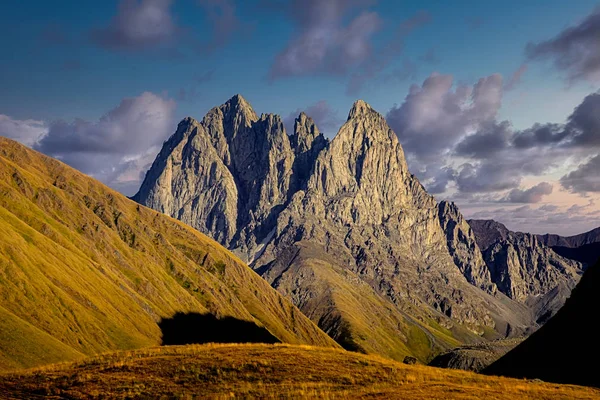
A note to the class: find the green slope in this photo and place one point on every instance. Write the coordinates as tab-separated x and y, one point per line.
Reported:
84	270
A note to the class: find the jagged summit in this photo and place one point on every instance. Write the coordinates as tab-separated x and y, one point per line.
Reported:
360	107
238	100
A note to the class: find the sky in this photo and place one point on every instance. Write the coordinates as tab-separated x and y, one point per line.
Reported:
496	104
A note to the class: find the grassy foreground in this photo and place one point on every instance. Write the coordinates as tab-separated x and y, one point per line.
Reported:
257	370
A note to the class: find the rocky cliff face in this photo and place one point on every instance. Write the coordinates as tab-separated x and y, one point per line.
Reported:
463	247
525	269
342	228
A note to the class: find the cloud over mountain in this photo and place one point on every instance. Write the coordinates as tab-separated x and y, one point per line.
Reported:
575	50
137	25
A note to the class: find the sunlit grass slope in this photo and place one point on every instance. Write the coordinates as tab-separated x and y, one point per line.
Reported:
84	270
264	371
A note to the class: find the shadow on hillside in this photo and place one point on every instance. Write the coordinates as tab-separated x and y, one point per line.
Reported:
195	328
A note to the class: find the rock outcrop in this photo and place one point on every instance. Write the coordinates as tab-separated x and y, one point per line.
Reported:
475	357
342	228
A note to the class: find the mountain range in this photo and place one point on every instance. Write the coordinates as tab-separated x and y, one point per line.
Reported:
342	229
345	247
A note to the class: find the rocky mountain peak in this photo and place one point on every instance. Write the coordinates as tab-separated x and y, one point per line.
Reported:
360	108
488	231
318	219
463	247
306	135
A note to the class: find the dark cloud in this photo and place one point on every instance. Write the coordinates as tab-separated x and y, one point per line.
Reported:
326	118
515	78
336	38
582	129
114	148
575	50
586	178
532	195
435	115
539	135
134	125
328	38
373	67
490	139
583	126
485	177
222	14
138	25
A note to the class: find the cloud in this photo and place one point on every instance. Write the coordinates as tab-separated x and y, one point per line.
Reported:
582	129
584	179
435	115
27	131
583	125
455	143
114	148
532	195
488	140
225	22
384	56
336	38
324	41
488	176
547	218
575	50
515	78
326	118
138	25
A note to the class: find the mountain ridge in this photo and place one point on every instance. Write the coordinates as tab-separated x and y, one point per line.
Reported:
350	206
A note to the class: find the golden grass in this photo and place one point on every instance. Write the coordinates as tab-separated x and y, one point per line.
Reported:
84	270
267	371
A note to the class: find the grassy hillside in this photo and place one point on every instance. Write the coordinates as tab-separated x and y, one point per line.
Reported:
353	313
566	348
84	270
267	371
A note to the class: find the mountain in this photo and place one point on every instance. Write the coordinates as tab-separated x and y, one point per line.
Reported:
582	239
84	270
584	248
565	348
340	227
525	269
266	371
587	254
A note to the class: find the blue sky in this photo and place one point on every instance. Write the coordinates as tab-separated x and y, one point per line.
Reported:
68	61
